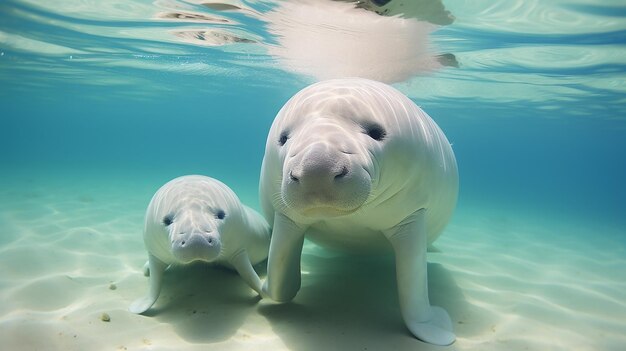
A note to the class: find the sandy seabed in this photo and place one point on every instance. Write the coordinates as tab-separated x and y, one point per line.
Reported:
71	250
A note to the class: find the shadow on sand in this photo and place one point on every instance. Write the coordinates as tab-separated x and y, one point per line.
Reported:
350	303
205	304
347	302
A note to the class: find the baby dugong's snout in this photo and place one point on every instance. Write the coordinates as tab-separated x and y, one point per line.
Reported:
196	245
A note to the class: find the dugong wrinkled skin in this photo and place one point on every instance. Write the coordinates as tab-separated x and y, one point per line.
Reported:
354	164
197	218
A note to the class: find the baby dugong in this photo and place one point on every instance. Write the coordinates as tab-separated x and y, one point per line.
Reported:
198	218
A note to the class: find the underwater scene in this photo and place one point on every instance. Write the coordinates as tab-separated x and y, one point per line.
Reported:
104	102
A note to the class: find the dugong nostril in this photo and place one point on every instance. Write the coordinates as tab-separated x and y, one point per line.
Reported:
182	243
343	173
292	177
210	240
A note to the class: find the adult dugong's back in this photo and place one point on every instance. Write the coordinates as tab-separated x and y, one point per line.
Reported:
355	164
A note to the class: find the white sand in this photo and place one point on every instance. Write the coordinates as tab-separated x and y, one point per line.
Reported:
509	283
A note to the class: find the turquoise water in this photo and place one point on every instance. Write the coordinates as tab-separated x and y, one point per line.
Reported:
101	103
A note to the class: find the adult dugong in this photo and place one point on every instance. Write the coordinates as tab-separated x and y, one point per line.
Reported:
354	164
197	218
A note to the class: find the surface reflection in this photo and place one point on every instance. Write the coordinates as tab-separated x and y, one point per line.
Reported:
382	40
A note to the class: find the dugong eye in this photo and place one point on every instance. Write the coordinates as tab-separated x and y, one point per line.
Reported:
283	138
375	131
167	220
220	214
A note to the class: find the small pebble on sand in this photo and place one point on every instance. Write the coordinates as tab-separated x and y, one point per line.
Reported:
112	286
105	317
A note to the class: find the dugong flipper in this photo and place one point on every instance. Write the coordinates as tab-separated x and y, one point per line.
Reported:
156	269
429	323
197	218
354	164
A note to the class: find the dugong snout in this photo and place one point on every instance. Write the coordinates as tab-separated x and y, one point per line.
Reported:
196	246
319	166
322	179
